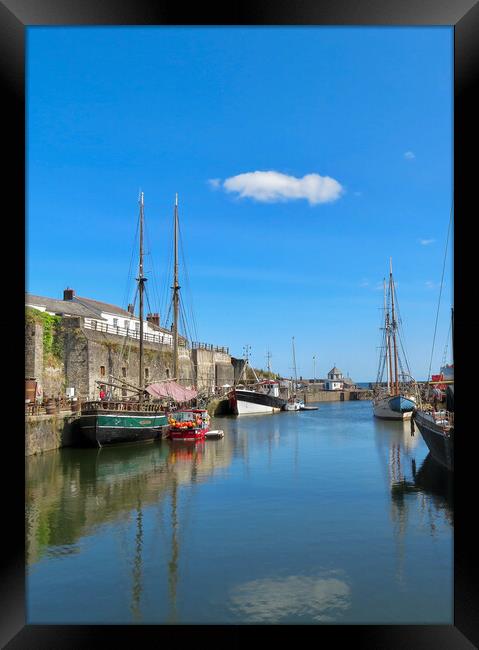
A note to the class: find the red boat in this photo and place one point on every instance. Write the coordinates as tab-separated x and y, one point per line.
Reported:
188	424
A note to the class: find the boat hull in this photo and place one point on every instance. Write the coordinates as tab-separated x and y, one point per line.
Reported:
248	402
186	434
402	404
292	407
114	428
439	440
389	408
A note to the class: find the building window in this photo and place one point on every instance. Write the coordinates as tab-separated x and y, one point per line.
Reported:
123	392
115	322
147	373
102	371
137	326
123	372
127	324
167	373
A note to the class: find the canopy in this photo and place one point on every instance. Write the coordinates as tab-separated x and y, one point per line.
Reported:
172	390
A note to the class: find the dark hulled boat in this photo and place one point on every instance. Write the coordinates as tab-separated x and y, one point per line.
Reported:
105	423
264	398
437	430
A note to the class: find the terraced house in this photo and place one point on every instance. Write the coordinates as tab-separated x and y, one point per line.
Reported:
74	343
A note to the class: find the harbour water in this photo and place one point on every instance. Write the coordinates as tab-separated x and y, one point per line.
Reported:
327	516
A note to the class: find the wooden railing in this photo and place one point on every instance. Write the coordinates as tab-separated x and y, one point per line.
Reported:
34	409
439	416
122	406
52	405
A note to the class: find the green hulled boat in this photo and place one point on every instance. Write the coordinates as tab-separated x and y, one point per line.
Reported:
105	423
110	422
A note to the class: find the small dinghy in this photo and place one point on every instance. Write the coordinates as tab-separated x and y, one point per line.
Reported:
216	433
309	408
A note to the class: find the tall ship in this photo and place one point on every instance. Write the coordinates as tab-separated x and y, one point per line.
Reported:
395	390
261	396
143	416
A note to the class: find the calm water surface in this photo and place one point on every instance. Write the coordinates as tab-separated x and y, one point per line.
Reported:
327	516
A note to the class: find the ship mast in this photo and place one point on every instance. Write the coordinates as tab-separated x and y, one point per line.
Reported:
141	281
176	296
268	357
387	341
294	367
393	315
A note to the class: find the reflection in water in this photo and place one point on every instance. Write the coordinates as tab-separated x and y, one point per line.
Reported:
434	486
397	443
137	571
69	493
173	563
394	442
126	515
275	600
73	492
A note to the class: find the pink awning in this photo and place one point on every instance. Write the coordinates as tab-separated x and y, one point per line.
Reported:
172	390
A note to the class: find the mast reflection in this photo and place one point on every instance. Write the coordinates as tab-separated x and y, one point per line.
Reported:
137	565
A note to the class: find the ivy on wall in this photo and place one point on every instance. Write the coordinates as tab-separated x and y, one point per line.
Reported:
52	333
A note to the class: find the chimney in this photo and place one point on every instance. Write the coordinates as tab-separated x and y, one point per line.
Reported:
68	294
154	318
131	309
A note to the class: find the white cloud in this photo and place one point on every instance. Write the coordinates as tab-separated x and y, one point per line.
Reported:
426	242
214	183
271	186
409	155
432	285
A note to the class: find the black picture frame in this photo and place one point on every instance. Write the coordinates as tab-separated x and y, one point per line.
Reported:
15	16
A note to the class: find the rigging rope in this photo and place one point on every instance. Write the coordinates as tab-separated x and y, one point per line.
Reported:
440	290
444	359
400	337
128	280
187	284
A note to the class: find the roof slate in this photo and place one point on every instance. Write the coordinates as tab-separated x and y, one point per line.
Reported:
98	306
66	307
335	371
86	307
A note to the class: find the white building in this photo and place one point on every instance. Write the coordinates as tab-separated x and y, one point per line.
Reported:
334	380
103	317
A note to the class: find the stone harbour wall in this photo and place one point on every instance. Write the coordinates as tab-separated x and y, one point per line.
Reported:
48	432
34	351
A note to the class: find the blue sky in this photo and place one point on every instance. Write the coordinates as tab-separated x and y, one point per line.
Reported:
356	126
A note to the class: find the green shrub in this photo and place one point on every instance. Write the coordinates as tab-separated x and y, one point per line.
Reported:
52	332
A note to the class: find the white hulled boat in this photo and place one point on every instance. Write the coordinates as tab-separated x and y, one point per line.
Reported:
256	398
262	397
396	398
